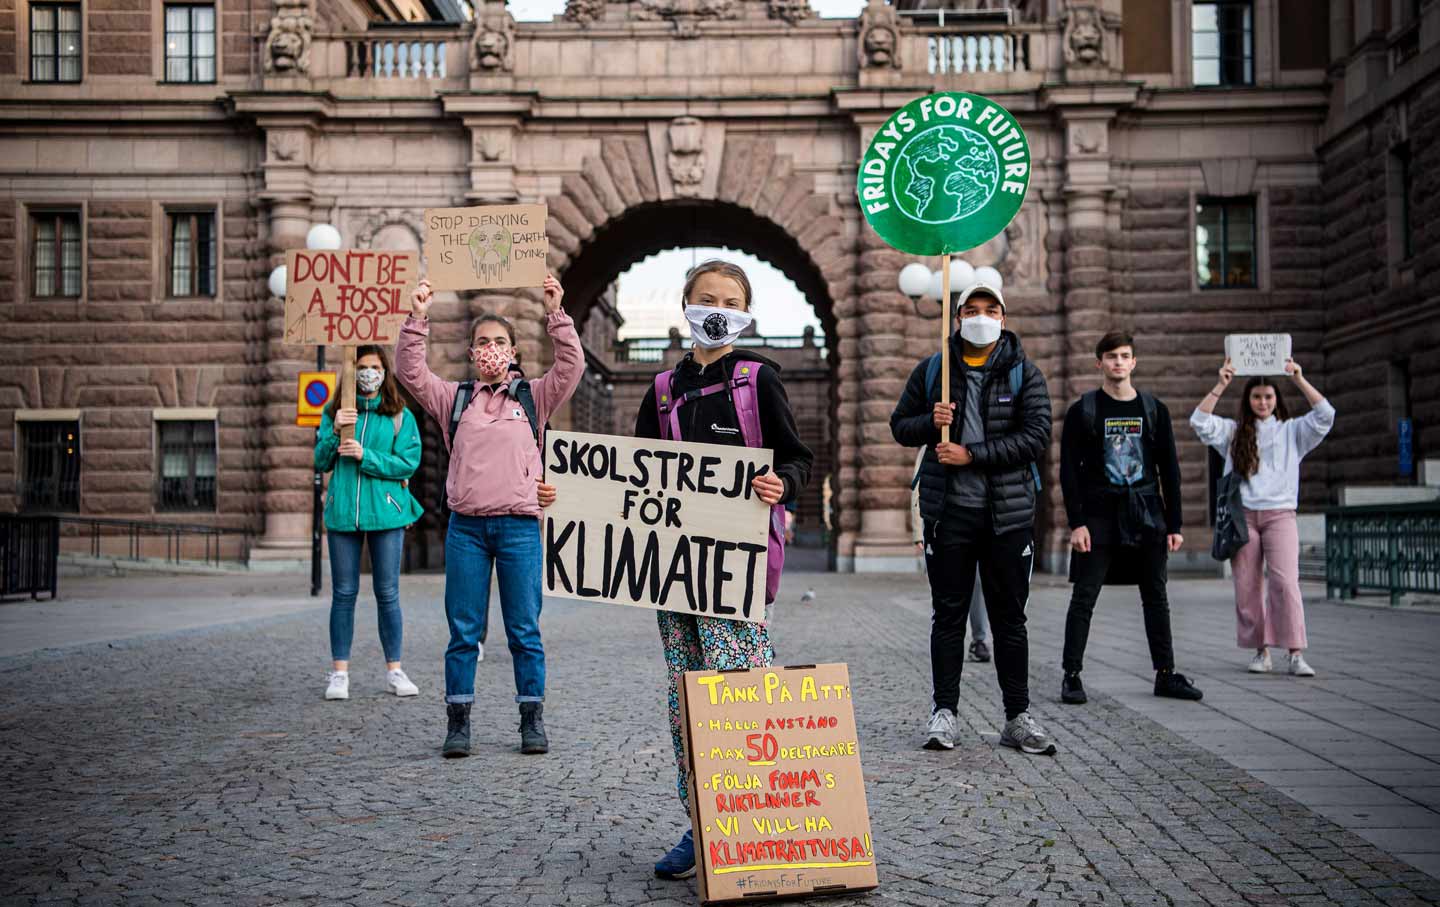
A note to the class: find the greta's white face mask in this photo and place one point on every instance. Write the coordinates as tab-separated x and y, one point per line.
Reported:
981	330
369	379
713	327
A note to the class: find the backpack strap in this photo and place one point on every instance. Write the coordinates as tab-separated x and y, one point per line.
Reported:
1090	412
464	393
932	378
743	383
520	391
1152	414
1017	381
669	417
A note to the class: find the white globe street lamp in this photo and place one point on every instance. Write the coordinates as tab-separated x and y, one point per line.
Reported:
914	280
322	236
277	282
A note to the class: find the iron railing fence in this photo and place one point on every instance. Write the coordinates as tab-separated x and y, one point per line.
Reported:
29	554
1391	548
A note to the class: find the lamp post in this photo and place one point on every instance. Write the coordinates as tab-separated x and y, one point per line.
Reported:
321	236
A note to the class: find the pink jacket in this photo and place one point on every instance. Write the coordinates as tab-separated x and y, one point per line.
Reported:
494	461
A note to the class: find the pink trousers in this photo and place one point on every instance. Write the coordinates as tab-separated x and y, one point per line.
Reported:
1268	610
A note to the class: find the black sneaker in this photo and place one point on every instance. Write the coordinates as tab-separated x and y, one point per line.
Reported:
1072	691
979	650
457	733
532	729
1175	686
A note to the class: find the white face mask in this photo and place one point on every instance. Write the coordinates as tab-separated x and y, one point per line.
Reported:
981	330
368	380
713	327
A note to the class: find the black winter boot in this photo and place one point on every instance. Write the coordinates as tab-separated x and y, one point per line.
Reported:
532	728
457	733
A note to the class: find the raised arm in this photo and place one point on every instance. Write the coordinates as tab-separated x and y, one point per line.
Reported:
553	388
1311	428
411	370
1212	430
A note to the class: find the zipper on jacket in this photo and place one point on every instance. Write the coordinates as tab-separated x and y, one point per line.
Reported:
358	474
394	503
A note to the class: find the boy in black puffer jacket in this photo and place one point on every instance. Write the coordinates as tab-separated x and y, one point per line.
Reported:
978	483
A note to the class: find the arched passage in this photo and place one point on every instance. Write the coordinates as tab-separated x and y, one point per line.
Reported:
811	377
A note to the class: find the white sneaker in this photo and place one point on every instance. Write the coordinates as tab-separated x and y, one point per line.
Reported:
941	732
480	651
400	685
1298	667
1260	664
339	687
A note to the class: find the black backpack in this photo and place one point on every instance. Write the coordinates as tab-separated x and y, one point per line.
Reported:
465	393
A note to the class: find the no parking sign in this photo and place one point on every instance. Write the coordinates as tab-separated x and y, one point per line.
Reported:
313	393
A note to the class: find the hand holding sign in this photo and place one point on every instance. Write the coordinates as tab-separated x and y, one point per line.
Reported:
421	299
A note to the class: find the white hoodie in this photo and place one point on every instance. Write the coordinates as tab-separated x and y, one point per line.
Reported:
1282	445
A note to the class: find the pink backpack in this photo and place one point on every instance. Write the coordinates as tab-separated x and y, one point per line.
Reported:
742	391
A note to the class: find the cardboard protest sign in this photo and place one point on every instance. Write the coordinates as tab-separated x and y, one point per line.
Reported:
348	297
484	247
656	524
777	796
1258	354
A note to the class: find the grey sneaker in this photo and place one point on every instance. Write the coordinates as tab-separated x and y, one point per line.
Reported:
941	731
1026	735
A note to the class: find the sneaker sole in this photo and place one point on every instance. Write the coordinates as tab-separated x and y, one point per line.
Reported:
675	876
1030	751
415	692
1180	697
332	698
935	744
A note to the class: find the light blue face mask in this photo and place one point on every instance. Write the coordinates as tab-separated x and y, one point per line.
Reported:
368	380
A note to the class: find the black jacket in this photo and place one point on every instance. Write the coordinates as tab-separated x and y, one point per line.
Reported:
1091	501
712	419
1017	433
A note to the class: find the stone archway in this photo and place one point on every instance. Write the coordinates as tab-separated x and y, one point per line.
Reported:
622	206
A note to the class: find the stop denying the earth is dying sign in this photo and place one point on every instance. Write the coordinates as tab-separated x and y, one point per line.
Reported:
946	173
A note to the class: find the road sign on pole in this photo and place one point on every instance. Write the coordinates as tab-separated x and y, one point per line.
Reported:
313	393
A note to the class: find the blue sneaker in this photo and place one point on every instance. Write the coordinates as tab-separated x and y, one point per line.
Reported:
679	863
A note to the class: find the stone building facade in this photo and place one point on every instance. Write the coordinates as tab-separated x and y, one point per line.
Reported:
1201	168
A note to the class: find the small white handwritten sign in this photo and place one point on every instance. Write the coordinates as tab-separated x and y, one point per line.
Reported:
1258	354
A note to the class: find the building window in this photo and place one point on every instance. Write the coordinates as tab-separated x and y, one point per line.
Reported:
187	466
1223	42
55	42
192	253
190	42
55	253
50	466
1225	243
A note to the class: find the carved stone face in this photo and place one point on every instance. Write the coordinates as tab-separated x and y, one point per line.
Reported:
1086	40
490	49
286	43
880	46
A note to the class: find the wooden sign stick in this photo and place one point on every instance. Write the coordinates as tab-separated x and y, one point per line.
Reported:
945	329
347	391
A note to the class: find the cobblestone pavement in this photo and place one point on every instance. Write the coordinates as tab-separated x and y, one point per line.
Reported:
205	768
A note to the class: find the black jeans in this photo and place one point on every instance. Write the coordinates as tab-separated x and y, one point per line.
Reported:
1147	563
963	538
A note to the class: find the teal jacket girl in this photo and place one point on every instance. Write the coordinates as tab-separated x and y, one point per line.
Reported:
373	494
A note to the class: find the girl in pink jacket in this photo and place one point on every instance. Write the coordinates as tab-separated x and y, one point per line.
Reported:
494	494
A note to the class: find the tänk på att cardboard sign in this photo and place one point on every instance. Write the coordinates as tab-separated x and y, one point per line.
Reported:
777	796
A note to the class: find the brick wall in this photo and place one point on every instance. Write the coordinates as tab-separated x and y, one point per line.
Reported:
238	21
120	37
1374	318
7	36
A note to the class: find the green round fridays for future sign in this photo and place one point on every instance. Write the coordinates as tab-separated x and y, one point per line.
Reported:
946	173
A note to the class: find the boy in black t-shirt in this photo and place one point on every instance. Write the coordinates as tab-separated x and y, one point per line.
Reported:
1121	480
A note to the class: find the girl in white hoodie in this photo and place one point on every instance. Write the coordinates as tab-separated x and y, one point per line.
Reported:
1266	447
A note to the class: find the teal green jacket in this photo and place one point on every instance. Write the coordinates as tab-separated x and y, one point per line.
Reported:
371	495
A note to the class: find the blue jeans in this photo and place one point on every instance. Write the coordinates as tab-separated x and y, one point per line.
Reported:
511	546
385	551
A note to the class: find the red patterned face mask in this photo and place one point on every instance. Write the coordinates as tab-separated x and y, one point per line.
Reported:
492	359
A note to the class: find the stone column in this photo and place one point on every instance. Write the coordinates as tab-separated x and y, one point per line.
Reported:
884	541
287	453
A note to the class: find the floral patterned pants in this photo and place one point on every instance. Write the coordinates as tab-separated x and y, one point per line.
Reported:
706	644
